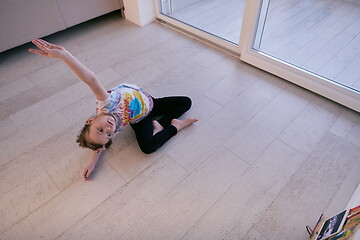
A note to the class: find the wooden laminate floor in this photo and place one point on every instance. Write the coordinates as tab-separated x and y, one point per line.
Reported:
265	158
321	36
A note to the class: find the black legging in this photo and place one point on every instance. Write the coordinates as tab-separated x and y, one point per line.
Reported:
166	108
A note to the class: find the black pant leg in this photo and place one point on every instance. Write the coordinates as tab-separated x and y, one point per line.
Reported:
148	142
169	108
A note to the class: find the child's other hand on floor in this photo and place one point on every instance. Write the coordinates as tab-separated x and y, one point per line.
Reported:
87	172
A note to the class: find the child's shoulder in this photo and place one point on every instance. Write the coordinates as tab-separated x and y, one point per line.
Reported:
125	87
129	85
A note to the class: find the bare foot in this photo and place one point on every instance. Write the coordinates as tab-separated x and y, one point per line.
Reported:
180	124
156	127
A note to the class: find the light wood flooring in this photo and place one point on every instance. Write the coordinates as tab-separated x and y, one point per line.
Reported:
321	36
265	159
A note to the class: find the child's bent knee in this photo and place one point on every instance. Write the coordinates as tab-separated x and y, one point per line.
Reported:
188	102
147	149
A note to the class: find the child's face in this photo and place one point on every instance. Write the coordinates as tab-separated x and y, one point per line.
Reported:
102	128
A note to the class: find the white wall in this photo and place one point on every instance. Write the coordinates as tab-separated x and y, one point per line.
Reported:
140	12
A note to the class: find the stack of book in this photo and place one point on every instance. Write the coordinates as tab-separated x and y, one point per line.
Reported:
340	227
351	225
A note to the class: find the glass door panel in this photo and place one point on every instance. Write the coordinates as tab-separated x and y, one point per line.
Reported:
220	18
322	37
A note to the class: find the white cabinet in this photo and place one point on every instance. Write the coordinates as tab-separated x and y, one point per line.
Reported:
77	11
23	20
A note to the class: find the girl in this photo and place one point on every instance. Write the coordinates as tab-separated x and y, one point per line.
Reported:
118	107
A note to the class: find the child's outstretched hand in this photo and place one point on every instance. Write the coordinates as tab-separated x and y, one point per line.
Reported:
47	49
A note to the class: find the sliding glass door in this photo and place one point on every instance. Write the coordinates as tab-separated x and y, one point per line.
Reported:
312	43
217	19
315	44
318	36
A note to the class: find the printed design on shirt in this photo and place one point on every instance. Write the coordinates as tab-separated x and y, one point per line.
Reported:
140	106
124	110
132	108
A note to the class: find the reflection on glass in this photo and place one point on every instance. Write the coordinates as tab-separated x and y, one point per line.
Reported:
322	37
217	17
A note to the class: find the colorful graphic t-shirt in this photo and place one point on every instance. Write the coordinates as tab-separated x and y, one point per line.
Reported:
128	103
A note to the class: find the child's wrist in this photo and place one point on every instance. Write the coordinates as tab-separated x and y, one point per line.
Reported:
64	55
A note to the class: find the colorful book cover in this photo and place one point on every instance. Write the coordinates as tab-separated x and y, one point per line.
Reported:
354	211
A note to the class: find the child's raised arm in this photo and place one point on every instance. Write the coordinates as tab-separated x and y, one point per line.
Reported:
82	72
